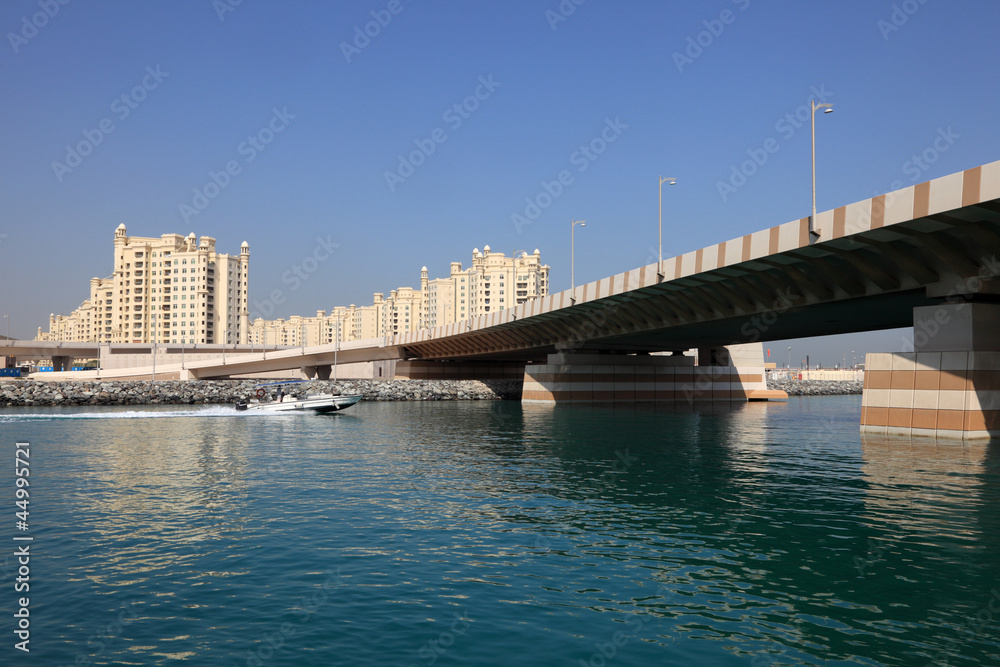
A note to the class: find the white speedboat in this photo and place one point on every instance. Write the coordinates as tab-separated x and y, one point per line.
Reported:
291	401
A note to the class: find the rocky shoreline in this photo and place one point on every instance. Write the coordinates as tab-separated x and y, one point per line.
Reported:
19	393
815	387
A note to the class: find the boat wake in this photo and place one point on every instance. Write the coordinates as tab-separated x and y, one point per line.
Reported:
207	411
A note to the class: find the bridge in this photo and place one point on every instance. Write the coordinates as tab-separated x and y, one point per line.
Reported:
924	256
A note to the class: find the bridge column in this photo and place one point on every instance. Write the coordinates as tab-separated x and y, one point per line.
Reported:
949	386
321	372
60	363
587	377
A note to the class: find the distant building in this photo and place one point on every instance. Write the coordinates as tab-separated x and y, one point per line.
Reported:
492	283
173	289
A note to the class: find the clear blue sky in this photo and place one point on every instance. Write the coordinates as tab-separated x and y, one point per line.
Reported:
209	79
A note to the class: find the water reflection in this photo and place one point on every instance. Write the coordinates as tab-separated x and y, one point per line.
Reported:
711	535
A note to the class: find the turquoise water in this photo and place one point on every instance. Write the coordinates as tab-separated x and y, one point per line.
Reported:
495	534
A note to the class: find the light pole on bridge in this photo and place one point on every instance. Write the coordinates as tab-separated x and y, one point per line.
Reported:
572	257
659	264
827	108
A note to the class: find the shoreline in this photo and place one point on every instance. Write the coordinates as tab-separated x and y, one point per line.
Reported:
25	393
816	387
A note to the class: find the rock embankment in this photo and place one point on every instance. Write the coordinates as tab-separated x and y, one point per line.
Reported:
815	387
133	392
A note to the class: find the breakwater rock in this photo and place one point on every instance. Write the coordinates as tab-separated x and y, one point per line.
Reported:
815	387
135	392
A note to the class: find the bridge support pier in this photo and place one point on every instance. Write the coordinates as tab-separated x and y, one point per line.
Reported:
588	377
321	372
949	386
61	363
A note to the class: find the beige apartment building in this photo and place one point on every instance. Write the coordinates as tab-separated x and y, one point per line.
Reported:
171	289
493	282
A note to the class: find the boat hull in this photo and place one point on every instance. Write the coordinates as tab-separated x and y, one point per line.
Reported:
318	403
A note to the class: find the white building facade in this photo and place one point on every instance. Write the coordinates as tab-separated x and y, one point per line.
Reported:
171	289
493	282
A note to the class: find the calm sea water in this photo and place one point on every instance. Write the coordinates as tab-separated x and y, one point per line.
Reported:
496	534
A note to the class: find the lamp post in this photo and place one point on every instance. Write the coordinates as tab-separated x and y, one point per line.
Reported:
827	108
572	257
659	263
789	357
7	317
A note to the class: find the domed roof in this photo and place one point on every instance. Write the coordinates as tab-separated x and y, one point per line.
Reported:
121	226
423	268
191	235
244	245
486	248
537	252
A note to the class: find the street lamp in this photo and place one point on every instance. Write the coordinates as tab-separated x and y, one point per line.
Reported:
827	108
7	317
789	357
659	263
572	257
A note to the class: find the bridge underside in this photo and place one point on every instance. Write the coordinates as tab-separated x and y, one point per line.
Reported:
867	281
